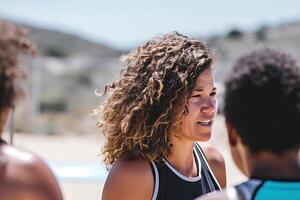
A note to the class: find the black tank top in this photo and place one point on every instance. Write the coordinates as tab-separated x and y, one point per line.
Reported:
170	184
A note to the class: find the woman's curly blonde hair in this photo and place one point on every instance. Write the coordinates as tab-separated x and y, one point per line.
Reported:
151	96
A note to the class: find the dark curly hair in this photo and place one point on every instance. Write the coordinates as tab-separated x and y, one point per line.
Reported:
262	100
13	40
150	96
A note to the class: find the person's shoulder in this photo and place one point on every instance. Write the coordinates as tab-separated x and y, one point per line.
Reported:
19	157
129	179
131	167
28	169
212	154
21	160
216	161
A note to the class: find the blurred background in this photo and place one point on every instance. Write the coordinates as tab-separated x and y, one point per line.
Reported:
79	44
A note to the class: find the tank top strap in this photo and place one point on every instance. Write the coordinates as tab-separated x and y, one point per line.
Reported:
209	182
156	179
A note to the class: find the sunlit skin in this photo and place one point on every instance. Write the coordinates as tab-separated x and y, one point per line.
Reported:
133	178
202	107
196	126
24	175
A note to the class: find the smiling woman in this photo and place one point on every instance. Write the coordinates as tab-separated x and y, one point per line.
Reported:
156	112
202	108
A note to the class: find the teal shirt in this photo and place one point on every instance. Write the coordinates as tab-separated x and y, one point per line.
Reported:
278	190
258	189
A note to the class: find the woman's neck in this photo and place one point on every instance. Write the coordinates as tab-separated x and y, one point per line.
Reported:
181	157
269	165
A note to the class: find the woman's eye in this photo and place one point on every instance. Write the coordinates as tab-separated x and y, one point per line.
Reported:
213	94
196	95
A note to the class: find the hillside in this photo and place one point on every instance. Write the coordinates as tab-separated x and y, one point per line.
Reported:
68	69
232	45
59	44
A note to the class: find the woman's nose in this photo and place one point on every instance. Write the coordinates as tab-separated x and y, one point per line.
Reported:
209	106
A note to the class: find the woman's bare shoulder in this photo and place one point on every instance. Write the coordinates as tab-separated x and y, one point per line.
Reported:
29	171
216	161
129	179
212	153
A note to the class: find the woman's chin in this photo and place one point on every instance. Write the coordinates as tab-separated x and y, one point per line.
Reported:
203	137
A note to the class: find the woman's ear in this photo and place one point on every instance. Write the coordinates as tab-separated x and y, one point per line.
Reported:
237	148
232	134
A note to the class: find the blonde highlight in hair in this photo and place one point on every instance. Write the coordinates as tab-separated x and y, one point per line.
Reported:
150	97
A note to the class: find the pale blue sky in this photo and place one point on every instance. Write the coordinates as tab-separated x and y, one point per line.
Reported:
125	23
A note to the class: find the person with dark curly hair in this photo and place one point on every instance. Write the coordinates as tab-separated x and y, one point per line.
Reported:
22	174
262	110
163	103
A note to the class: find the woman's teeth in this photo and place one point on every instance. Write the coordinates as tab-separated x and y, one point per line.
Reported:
205	123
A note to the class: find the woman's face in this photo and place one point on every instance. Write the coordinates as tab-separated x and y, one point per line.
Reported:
202	107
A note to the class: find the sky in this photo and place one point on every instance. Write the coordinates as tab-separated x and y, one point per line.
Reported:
124	24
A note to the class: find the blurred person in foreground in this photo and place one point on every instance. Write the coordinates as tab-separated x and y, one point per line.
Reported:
262	110
164	102
22	174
